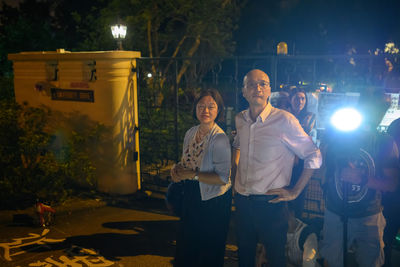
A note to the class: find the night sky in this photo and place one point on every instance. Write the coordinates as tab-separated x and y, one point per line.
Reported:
318	26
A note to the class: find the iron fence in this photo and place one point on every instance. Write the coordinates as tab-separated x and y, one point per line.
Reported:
167	87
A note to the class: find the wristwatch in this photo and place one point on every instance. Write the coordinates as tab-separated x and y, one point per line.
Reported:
196	176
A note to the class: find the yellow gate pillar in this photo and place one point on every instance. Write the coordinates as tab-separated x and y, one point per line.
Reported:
101	85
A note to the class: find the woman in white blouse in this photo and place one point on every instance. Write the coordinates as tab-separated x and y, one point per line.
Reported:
205	170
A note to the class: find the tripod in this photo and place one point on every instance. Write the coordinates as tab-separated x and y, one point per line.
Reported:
345	220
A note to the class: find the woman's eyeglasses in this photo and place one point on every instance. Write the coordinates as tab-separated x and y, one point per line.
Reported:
210	107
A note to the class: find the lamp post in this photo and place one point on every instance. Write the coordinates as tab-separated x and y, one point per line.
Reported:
119	32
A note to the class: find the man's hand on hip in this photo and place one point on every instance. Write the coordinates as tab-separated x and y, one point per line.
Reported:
282	194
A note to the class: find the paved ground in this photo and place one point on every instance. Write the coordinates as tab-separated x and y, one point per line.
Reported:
119	232
135	231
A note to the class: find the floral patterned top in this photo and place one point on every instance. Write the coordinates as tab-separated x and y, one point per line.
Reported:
193	154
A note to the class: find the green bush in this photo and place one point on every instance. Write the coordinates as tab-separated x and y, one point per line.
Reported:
6	88
34	163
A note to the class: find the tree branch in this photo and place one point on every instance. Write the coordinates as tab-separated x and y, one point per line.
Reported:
164	49
186	63
172	58
153	68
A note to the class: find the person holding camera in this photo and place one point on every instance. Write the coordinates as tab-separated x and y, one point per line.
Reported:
359	166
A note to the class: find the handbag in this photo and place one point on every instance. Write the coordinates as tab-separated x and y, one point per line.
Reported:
174	197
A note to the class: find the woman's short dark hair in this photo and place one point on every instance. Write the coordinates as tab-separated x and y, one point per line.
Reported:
217	98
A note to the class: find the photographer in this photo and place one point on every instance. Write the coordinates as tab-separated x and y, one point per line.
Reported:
359	166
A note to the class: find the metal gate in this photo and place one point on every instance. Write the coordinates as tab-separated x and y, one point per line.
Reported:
167	87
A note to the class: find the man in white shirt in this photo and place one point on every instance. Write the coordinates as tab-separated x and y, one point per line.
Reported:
265	146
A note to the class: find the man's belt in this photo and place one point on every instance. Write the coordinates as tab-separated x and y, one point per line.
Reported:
256	197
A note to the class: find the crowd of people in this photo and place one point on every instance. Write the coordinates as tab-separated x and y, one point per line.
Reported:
266	170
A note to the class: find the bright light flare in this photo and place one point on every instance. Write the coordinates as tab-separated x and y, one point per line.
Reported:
118	31
346	119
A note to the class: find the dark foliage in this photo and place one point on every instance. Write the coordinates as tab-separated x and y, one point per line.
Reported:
34	163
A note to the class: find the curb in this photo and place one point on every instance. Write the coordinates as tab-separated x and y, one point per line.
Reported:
78	204
70	205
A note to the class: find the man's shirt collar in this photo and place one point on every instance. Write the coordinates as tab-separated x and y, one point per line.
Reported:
263	115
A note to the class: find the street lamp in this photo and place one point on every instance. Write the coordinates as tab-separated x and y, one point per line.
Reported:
119	32
281	48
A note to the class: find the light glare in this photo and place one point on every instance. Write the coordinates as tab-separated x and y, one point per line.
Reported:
346	119
118	31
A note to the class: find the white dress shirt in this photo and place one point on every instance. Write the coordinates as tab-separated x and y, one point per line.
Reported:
267	150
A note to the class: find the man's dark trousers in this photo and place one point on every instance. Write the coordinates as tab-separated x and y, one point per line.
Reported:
260	221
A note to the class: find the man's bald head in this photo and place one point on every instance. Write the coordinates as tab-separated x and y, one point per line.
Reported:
256	74
256	88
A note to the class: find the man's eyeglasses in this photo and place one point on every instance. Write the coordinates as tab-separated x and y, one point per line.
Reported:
254	85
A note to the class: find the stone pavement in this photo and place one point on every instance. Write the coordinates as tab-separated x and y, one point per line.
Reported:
135	230
149	202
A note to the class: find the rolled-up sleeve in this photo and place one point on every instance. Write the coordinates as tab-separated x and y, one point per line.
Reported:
236	140
222	157
302	145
